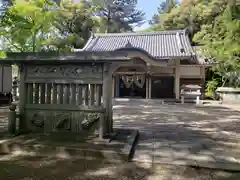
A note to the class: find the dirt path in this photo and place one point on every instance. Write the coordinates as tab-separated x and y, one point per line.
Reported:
45	168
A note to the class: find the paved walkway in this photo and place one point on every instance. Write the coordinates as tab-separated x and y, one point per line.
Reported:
206	136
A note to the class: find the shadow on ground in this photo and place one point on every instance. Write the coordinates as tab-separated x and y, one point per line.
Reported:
39	168
204	135
181	129
36	168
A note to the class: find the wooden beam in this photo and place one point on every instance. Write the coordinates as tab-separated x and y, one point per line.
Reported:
129	73
63	107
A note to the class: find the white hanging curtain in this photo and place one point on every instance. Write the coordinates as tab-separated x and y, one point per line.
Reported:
128	80
139	80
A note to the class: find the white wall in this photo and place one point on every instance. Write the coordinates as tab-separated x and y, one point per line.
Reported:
162	70
190	71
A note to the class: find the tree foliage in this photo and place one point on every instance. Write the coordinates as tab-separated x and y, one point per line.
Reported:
191	14
213	25
43	25
118	15
47	25
25	24
74	22
222	42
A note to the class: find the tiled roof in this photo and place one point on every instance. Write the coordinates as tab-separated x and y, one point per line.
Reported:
159	45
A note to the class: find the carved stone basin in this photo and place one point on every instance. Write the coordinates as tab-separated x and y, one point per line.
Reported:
229	94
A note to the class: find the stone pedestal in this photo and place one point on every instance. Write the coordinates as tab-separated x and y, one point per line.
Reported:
229	95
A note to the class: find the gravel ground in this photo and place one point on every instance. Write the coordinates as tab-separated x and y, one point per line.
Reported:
45	168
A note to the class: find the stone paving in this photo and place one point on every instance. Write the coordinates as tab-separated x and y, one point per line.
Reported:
205	136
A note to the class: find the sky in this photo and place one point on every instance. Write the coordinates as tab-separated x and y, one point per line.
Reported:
150	8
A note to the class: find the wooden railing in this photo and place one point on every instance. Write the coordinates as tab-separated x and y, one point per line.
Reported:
63	93
59	106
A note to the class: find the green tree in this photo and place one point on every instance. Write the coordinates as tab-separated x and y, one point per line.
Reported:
118	16
25	25
191	14
221	41
43	25
74	22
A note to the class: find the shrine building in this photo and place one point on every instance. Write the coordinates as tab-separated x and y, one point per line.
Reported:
160	63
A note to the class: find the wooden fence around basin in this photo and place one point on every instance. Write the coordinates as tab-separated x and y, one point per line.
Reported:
64	91
63	97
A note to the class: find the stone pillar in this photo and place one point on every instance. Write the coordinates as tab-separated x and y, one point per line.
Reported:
12	119
147	87
150	87
101	130
177	79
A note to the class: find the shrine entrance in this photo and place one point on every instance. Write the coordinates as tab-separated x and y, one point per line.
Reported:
132	86
130	80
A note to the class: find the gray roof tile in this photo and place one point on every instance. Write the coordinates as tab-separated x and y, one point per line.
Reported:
159	45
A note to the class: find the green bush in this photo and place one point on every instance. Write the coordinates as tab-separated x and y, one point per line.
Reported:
211	87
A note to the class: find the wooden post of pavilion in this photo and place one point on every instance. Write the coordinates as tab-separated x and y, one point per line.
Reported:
150	87
177	79
147	87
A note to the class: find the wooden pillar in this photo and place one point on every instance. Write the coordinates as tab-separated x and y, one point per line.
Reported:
113	86
110	112
107	98
147	87
150	87
117	86
22	99
177	79
202	74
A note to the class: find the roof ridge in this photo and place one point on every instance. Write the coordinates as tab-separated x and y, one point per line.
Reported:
141	33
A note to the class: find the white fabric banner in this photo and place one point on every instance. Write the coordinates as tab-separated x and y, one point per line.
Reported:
139	80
